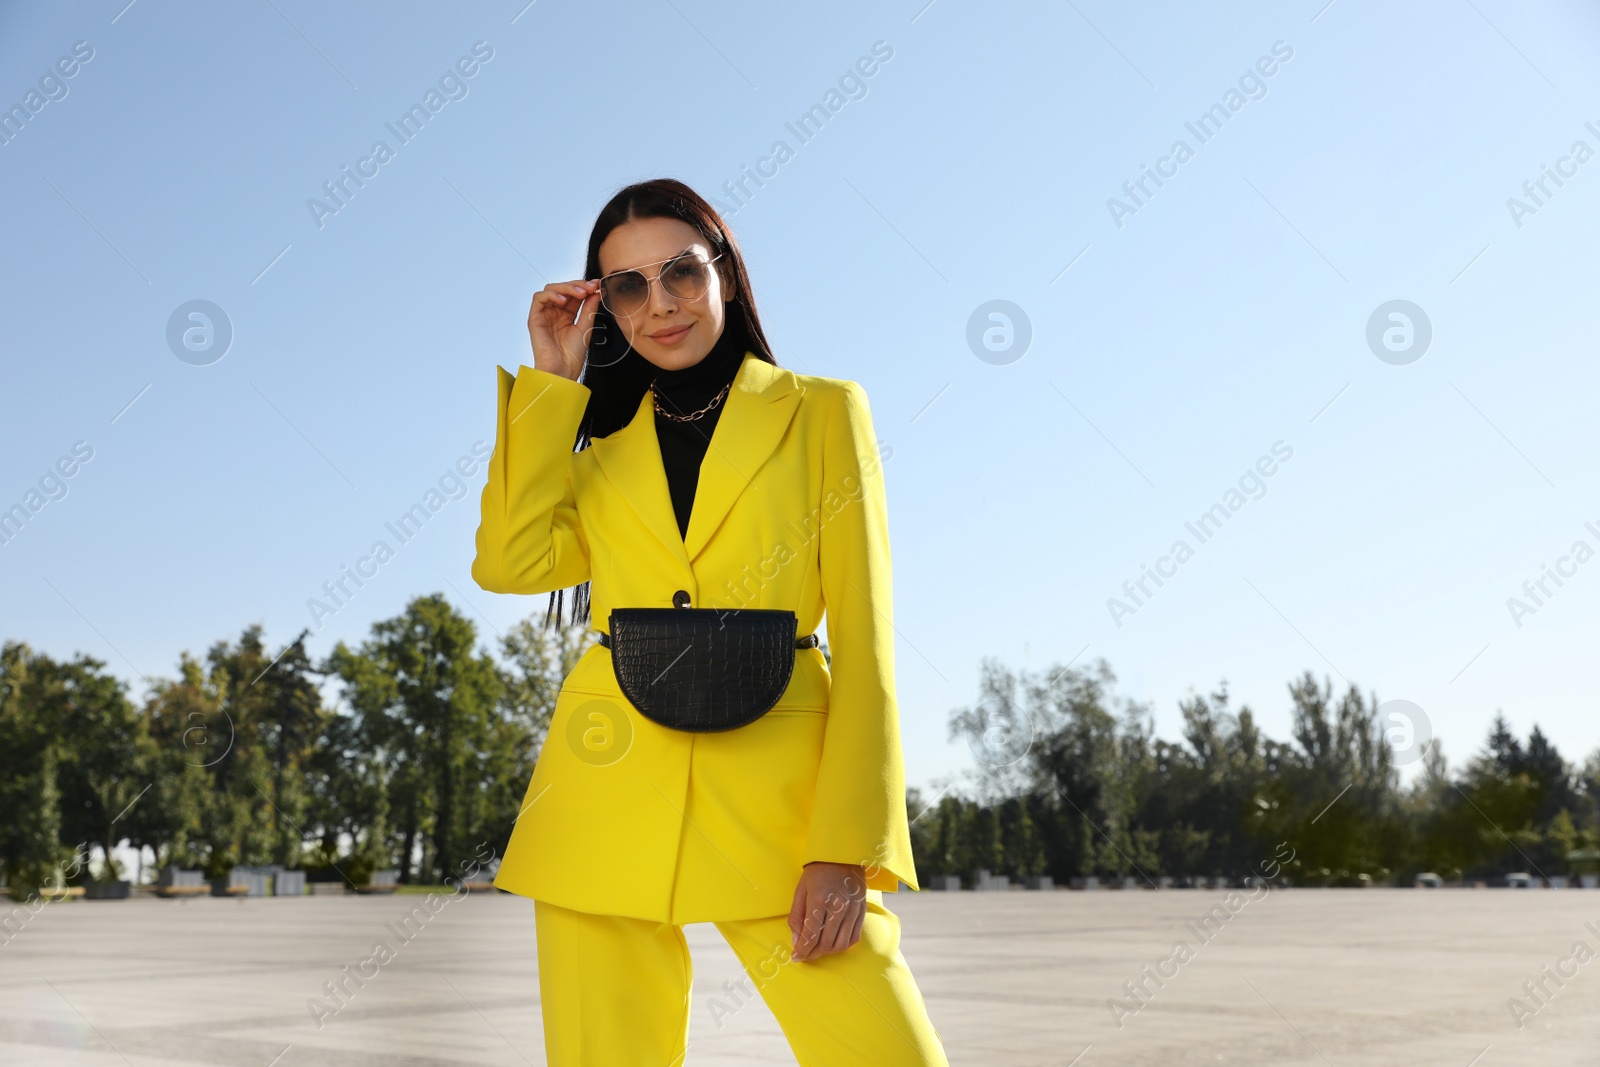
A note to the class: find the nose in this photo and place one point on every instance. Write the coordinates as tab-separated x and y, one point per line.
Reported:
660	300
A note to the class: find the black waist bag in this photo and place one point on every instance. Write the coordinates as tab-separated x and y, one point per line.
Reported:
702	669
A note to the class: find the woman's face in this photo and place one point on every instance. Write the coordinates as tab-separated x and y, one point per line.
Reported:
669	332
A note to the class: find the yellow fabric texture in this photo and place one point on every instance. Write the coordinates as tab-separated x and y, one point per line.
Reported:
628	818
615	992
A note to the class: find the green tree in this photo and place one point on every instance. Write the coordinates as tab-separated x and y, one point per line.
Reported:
108	758
1503	801
429	702
1210	801
236	733
30	794
349	785
1342	790
185	720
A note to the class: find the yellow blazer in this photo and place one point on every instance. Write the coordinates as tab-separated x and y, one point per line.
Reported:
626	817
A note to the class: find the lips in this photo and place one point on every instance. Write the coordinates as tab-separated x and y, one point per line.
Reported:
671	337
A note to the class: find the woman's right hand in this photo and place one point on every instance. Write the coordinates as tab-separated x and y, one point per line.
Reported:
559	331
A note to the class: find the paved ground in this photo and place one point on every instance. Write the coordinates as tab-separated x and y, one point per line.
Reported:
1340	978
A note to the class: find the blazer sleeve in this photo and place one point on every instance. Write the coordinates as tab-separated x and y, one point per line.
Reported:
859	814
531	538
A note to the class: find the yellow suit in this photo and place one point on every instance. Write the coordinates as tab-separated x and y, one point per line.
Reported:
624	817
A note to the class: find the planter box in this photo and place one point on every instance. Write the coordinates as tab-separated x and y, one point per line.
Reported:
108	890
168	877
271	880
243	882
945	883
1085	883
1040	882
990	883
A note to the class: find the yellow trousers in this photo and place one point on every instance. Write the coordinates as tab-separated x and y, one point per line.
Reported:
615	992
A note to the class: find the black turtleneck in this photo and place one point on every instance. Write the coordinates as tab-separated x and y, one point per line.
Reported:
684	444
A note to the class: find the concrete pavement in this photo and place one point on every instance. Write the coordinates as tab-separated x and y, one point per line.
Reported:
1300	976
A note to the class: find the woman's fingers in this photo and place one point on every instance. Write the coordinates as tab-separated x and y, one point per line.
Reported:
828	912
797	910
844	935
590	307
559	321
805	942
804	923
563	294
561	297
829	930
838	925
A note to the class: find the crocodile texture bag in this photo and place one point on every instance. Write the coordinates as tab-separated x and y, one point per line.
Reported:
702	669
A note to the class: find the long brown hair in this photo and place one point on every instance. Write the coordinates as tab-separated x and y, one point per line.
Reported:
617	376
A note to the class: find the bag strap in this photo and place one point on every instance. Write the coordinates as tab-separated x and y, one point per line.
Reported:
808	641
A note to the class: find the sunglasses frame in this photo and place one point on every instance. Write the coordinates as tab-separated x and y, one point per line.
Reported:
647	279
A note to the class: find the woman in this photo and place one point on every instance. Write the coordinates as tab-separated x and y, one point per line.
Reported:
704	476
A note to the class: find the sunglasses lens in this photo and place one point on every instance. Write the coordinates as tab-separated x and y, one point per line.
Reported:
686	278
625	293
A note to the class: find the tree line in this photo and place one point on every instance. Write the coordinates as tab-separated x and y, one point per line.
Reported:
1073	782
426	746
423	755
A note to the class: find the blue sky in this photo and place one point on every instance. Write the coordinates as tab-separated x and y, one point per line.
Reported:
1176	338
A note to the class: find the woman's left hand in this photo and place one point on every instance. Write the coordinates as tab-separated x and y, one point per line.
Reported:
830	904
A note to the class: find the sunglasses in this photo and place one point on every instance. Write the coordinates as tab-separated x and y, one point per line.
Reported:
685	276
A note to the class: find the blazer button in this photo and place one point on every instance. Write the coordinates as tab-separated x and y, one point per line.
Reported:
680	599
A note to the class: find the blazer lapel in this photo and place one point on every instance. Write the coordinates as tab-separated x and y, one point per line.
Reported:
757	411
759	407
631	460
